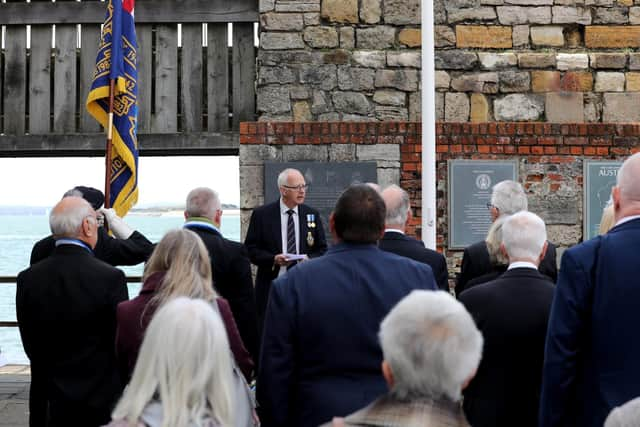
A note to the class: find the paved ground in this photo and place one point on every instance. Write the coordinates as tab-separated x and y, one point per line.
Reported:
14	395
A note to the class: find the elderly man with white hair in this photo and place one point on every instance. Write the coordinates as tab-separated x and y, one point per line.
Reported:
507	198
512	312
592	349
431	351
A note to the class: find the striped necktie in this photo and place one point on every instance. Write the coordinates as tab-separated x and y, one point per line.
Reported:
291	234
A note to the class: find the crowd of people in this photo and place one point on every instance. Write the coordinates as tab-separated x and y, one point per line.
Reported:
366	331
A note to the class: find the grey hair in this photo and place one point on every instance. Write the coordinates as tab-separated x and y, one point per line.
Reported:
494	240
67	223
628	179
185	361
397	207
431	344
284	175
202	201
524	235
74	192
509	197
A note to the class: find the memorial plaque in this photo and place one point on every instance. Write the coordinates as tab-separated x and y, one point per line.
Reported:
326	182
470	184
599	177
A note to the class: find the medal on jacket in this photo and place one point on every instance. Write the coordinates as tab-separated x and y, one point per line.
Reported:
311	224
310	240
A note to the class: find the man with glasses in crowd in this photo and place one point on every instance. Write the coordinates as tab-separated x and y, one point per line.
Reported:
281	234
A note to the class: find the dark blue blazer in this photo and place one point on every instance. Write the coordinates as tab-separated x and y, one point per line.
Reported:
592	348
320	353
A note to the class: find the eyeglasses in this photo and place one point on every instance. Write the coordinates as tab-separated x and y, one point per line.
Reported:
490	206
300	187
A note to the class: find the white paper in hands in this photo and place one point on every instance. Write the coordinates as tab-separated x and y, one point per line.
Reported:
295	257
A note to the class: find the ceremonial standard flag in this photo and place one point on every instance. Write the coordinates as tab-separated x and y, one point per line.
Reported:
116	60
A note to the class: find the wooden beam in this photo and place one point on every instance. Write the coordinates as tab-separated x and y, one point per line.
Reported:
85	145
146	11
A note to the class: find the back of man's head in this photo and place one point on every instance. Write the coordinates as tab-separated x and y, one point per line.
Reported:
92	195
523	236
431	344
67	215
509	197
629	179
396	201
359	215
202	202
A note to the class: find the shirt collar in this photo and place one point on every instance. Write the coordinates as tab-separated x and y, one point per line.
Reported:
522	264
200	222
76	242
627	219
393	230
284	208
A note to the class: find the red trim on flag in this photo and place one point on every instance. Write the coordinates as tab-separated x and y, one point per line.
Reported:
128	5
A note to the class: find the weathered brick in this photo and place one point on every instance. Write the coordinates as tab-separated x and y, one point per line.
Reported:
455	60
514	81
621	107
514	15
545	81
442	79
599	36
340	10
572	61
276	41
634	15
536	60
443	36
571	15
518	107
282	21
547	35
564	107
492	61
577	81
477	82
633	81
520	36
483	36
471	14
479	108
456	107
608	60
412	37
634	61
609	82
611	15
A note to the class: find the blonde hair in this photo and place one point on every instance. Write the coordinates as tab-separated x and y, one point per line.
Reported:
185	364
608	219
184	259
494	240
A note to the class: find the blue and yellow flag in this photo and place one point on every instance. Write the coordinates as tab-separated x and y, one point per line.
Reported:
116	60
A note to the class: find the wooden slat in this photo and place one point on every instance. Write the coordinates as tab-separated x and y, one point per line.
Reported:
166	77
217	78
144	36
244	71
90	37
40	80
64	78
191	78
15	80
146	11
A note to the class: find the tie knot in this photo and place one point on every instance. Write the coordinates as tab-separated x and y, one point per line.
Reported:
290	212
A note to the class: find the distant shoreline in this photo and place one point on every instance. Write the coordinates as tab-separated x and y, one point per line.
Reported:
174	212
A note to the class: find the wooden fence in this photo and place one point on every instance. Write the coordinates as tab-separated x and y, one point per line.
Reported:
191	97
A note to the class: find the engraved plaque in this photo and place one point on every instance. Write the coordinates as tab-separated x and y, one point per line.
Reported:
599	177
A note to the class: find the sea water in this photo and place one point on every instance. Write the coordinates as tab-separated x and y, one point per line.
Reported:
18	234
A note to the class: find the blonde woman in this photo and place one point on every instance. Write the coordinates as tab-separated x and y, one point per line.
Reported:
608	219
183	377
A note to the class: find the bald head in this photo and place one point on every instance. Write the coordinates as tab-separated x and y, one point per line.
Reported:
73	217
626	194
396	201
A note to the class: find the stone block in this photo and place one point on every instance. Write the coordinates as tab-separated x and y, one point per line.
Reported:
342	152
545	81
439	106
516	15
592	107
633	81
564	107
356	79
298	6
621	107
412	37
404	58
390	97
518	107
415	106
634	15
572	61
514	81
321	37
536	60
479	108
609	82
625	2
574	37
329	117
634	61
564	236
406	80
323	76
577	81
571	15
334	56
477	82
280	75
368	58
556	210
608	60
378	37
612	36
531	2
281	41
520	36
378	152
311	18
351	102
299	92
251	179
340	10
442	79
471	14
443	36
277	58
598	2
321	102
461	3
305	153
266	5
268	117
388	176
258	154
391	113
455	60
301	111
439	12
611	15
347	37
281	21
481	36
495	60
273	99
370	11
548	35
402	12
456	107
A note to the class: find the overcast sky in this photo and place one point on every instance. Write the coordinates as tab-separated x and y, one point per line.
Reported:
42	181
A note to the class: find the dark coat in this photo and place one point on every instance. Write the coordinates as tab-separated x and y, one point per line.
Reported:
264	242
131	251
476	262
66	309
233	281
512	313
320	353
409	247
592	349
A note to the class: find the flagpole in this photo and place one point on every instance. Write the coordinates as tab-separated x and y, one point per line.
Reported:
429	183
107	174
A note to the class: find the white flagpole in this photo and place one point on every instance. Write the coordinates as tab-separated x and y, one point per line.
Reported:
429	183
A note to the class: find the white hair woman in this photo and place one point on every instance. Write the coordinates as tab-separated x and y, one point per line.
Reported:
183	377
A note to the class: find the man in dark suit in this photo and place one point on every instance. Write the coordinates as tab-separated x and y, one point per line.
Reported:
129	247
320	353
229	263
66	310
396	201
592	348
507	198
280	229
512	313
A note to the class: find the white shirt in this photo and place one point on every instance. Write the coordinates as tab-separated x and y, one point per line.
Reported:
284	218
627	219
393	230
522	264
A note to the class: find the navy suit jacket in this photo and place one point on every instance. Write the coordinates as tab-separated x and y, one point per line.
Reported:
592	348
320	353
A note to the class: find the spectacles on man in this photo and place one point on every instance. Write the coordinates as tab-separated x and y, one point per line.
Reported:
300	187
490	206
